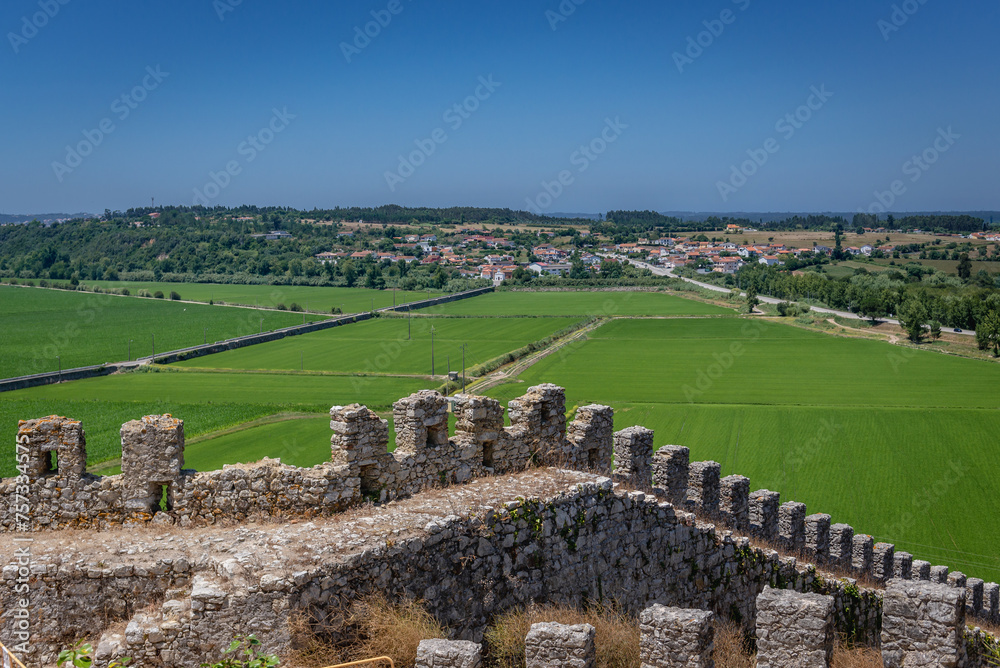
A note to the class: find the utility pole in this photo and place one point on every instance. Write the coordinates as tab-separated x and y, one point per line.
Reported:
464	346
262	325
130	350
432	351
302	361
59	362
409	324
394	297
152	337
204	336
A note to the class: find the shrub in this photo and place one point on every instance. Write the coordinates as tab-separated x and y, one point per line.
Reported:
391	629
282	307
617	637
143	292
335	310
43	283
174	296
295	307
158	295
244	652
125	292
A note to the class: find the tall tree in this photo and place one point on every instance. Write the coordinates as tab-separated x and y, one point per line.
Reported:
964	267
913	316
988	332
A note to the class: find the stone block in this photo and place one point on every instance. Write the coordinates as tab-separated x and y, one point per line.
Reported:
448	654
902	565
923	624
634	457
670	472
862	553
551	645
792	525
883	562
676	638
734	502
841	544
818	537
794	629
703	487
764	514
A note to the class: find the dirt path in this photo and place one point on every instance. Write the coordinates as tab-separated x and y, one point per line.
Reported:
505	373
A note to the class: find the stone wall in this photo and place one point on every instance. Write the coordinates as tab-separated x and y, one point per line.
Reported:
154	486
572	545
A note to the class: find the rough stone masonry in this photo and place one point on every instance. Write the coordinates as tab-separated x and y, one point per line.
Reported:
167	564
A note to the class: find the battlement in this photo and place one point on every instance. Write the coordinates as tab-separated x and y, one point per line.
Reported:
155	488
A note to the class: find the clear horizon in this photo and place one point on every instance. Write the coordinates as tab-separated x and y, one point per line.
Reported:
562	106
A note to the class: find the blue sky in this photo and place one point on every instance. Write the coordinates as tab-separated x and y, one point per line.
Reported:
329	124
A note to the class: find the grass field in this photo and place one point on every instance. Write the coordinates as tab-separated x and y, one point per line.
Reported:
899	444
381	346
321	299
207	402
579	303
87	328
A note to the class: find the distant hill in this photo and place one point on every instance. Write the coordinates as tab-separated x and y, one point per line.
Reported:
41	217
773	217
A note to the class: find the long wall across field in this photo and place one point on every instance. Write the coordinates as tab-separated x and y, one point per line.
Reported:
168	357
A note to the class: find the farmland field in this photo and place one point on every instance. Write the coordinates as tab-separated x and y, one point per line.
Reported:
381	346
88	328
900	444
605	303
315	298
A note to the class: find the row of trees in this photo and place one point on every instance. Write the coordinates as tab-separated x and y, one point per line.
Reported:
878	295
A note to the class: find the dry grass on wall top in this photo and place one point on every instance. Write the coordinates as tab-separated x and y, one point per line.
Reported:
617	637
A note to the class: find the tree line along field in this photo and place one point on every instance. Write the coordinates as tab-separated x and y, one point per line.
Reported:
84	329
315	298
898	443
602	303
383	346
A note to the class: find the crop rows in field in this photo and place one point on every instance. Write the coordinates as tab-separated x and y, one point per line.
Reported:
313	298
44	329
593	303
383	346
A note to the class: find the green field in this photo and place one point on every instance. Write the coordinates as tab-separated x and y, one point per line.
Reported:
381	346
313	298
902	446
207	402
87	328
606	303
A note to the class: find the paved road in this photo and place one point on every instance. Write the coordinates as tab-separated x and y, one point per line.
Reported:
659	271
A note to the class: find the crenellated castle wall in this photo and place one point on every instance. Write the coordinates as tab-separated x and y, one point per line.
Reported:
546	534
